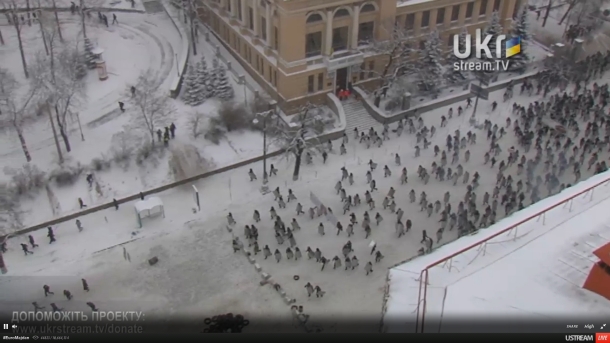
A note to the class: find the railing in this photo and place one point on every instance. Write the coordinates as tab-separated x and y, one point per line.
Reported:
539	216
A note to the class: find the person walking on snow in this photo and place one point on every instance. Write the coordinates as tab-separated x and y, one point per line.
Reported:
85	285
24	247
79	225
172	130
47	290
32	242
81	203
51	235
122	106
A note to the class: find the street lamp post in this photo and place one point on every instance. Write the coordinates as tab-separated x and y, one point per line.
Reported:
264	115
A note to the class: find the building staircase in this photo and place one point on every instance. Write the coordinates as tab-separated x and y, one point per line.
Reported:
356	116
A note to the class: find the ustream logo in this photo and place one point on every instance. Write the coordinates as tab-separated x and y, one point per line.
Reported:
511	47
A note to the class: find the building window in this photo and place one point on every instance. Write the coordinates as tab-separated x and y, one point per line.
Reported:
264	28
250	18
410	21
341	13
239	14
340	38
276	38
371	68
455	13
270	73
310	84
314	18
497	5
367	8
483	8
362	69
257	68
275	78
365	32
313	44
469	9
425	19
229	6
321	81
440	16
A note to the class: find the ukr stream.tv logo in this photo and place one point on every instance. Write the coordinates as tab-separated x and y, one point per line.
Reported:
498	60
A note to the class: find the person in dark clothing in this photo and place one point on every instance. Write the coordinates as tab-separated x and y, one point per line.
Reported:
55	308
81	203
3	247
133	91
114	19
105	20
172	130
24	247
92	306
51	235
122	106
47	290
116	204
32	242
68	294
85	285
159	135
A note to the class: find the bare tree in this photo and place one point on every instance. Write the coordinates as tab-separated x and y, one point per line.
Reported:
153	106
14	9
398	55
295	141
57	77
61	38
10	213
195	123
15	107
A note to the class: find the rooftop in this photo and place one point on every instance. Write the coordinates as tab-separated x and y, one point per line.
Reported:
532	273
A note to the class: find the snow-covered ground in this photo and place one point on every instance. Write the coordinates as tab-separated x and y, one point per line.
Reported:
530	274
140	42
106	4
194	248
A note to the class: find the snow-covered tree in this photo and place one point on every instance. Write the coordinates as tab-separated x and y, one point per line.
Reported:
203	78
193	91
154	108
520	28
89	57
452	74
224	89
215	63
295	142
397	53
431	68
493	29
15	107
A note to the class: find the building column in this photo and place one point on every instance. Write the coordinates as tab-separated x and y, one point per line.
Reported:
244	11
234	8
268	22
355	26
255	17
329	33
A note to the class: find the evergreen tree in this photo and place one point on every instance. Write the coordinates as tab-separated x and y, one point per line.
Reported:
215	63
520	29
193	94
431	68
494	28
203	78
452	74
224	90
89	57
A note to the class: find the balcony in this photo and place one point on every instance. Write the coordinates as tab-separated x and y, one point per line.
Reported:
343	59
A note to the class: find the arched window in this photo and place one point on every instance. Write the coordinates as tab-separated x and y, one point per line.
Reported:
314	18
367	8
342	13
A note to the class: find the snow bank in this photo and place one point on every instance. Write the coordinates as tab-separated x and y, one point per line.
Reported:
469	255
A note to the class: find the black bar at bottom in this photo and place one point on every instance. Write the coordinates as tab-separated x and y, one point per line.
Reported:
306	338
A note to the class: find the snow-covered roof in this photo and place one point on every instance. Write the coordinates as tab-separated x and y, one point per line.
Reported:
535	271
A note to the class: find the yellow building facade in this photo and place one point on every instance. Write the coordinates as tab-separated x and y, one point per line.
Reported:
299	50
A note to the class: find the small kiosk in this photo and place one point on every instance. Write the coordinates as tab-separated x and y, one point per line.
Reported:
100	64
